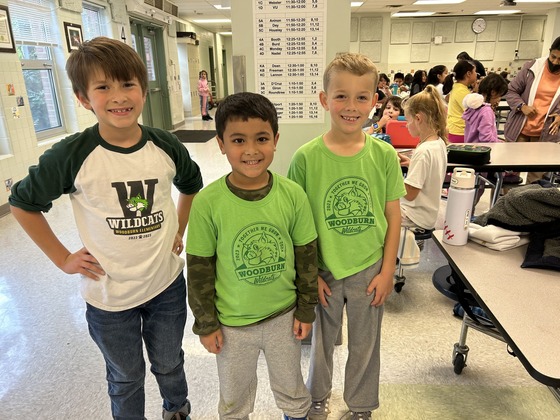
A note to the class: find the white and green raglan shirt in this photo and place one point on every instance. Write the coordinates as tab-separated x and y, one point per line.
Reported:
348	196
122	205
253	242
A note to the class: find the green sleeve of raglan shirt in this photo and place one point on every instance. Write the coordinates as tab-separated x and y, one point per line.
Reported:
306	282
201	278
188	178
55	173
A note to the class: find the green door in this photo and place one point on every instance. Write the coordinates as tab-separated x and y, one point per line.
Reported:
147	42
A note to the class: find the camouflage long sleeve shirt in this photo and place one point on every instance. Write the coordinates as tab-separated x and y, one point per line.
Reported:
201	277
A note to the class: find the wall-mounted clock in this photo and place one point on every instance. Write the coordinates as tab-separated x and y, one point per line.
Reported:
479	25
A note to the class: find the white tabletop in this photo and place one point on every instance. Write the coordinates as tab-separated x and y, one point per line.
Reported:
523	157
524	303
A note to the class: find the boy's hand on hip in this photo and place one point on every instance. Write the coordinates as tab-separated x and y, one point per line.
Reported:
82	262
382	284
213	342
324	291
301	329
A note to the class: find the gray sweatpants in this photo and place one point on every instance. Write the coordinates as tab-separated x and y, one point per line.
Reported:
237	368
361	381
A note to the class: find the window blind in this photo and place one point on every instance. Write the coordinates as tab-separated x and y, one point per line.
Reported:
32	22
92	21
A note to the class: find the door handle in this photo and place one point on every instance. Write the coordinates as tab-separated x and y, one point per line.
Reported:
154	90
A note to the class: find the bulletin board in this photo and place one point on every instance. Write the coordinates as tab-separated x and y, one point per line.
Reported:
371	28
463	31
485	50
531	29
372	49
353	29
509	30
421	32
490	33
420	53
400	33
445	29
529	49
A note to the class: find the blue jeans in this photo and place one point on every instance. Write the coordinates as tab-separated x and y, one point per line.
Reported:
160	322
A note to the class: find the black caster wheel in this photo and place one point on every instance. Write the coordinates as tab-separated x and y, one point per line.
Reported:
458	363
398	287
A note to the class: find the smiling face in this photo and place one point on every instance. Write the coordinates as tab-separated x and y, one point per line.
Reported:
349	100
249	147
116	104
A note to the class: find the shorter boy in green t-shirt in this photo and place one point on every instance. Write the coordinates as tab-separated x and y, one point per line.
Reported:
252	264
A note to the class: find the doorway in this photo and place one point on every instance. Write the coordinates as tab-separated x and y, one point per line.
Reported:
212	71
147	40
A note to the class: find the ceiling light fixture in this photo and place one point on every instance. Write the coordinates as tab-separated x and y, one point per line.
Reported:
437	2
412	14
497	12
212	20
356	3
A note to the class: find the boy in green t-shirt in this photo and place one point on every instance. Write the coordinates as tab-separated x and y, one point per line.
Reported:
354	183
252	264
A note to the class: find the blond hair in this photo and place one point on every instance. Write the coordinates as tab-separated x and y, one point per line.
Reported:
429	103
354	63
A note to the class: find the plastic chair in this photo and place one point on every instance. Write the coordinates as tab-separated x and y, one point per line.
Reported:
420	235
400	137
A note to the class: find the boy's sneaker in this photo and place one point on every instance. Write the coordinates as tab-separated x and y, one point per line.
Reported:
363	415
319	410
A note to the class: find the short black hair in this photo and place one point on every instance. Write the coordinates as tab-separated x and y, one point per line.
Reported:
245	105
398	75
556	44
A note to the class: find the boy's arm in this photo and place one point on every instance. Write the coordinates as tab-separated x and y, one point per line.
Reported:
201	279
306	281
36	226
382	283
184	204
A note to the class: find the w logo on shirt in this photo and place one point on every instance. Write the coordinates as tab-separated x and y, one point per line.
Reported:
136	199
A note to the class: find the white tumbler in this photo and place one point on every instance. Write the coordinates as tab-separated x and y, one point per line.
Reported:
460	199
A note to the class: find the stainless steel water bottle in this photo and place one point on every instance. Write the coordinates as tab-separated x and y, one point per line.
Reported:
460	199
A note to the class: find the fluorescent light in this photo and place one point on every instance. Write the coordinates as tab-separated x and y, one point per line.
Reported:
356	3
220	7
412	14
438	2
225	33
212	20
497	12
537	1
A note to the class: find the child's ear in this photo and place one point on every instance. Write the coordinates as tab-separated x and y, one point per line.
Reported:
323	100
374	99
221	145
84	101
276	138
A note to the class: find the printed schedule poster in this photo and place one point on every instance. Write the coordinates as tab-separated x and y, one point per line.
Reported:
290	56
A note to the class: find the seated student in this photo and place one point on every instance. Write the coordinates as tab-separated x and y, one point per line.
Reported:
425	116
436	76
418	82
391	110
252	264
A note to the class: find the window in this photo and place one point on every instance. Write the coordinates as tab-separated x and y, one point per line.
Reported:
31	21
92	21
37	68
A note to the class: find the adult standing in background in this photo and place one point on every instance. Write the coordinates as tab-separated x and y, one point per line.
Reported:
534	98
480	70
